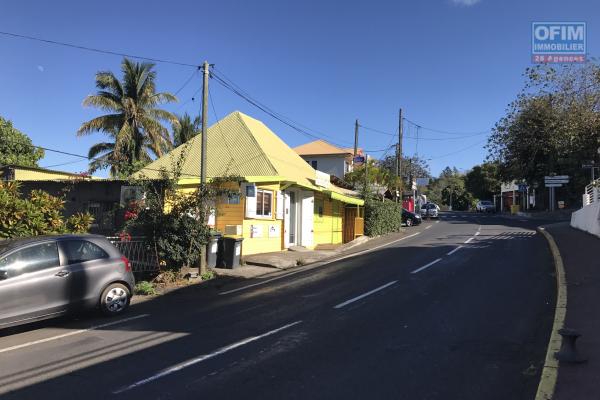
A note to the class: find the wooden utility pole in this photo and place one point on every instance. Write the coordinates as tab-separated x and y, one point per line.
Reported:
355	138
205	71
399	155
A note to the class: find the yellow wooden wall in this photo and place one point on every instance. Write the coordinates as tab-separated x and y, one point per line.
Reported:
328	227
265	243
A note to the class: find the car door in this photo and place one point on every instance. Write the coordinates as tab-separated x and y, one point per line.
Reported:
87	264
32	283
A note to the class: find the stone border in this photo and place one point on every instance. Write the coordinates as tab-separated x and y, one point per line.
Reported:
550	372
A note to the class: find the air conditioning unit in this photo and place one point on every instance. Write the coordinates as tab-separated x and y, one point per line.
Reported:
233	230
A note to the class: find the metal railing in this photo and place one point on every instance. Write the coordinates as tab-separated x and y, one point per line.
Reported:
140	252
592	193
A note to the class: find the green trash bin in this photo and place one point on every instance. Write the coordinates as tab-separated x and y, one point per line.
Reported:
232	251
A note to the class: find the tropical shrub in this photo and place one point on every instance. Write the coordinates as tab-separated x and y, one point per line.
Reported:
40	214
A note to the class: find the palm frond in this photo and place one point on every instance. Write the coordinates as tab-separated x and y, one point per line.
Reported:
109	124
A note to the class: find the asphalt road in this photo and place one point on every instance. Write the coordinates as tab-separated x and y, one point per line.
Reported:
461	310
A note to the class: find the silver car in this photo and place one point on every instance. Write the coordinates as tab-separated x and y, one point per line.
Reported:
46	276
429	210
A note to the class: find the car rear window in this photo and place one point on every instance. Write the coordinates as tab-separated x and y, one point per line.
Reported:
78	251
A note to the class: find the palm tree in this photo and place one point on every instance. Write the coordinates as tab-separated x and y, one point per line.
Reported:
186	129
133	122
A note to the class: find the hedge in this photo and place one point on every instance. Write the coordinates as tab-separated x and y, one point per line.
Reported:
382	217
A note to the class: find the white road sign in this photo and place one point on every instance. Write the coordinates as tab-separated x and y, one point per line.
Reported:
554	184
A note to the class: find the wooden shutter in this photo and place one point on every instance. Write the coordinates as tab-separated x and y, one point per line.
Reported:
250	194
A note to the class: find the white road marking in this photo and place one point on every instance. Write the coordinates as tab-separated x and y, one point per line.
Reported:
204	357
437	222
330	261
426	266
469	240
477	233
479	229
77	332
428	227
454	251
362	296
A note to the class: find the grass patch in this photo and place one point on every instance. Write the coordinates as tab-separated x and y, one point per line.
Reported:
144	288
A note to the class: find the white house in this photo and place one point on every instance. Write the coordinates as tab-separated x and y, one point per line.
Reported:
326	157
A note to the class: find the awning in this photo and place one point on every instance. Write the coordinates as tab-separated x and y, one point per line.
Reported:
347	199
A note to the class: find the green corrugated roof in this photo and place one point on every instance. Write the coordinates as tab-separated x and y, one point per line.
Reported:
242	146
237	145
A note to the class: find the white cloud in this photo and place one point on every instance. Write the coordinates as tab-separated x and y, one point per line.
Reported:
40	68
466	3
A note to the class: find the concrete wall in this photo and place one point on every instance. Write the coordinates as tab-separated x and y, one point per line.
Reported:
587	219
333	164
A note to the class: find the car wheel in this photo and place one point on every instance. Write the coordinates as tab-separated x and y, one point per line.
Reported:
409	222
115	299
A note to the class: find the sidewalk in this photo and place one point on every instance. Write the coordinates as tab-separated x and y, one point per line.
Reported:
299	256
581	257
268	263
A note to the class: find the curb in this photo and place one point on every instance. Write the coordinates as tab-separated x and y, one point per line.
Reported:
550	372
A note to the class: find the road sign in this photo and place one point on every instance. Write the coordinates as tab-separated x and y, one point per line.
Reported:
358	159
558	181
554	185
556	177
523	187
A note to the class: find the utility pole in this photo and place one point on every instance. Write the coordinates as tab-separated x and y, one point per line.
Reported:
399	156
205	71
355	139
366	176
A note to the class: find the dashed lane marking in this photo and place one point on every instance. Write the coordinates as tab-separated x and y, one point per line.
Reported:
362	296
426	266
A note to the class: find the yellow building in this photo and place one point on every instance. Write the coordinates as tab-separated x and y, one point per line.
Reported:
22	173
283	201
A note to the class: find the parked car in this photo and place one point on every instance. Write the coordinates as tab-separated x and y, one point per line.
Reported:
46	276
410	218
485	206
429	210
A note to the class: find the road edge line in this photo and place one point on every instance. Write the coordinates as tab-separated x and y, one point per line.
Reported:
549	374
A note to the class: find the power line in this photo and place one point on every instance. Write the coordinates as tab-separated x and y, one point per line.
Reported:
280	117
187	81
95	50
458	151
423	138
445	132
220	130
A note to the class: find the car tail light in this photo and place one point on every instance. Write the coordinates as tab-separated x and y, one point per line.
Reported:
127	263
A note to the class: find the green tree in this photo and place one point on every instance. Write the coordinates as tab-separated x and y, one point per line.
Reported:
186	129
16	147
133	123
449	189
483	181
414	166
551	127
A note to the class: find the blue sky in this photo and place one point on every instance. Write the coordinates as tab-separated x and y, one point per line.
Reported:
451	65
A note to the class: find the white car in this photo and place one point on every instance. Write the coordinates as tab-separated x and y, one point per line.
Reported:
485	206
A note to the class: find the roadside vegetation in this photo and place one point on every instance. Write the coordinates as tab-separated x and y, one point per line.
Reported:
39	213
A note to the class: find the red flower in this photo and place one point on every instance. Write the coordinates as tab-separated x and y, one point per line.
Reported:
130	215
125	237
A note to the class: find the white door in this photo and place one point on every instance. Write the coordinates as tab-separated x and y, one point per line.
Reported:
308	214
286	220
